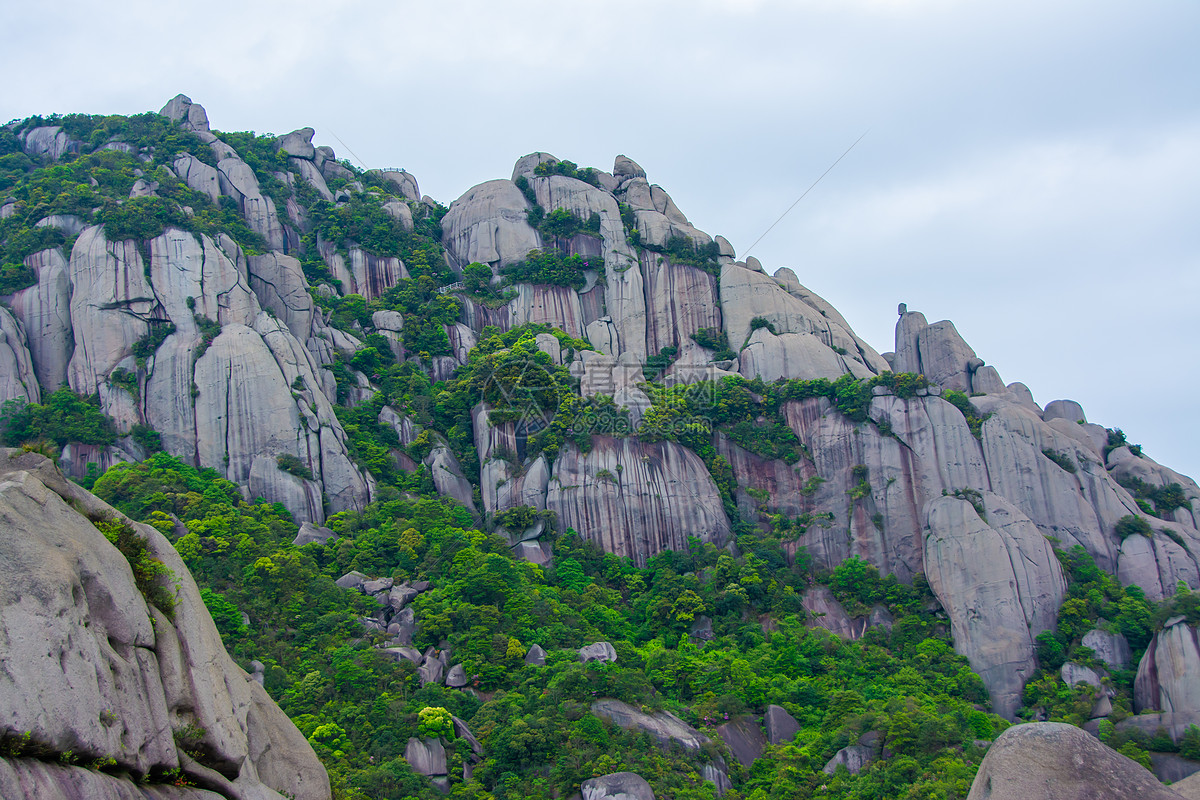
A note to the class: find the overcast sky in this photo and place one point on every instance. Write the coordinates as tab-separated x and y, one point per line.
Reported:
1031	170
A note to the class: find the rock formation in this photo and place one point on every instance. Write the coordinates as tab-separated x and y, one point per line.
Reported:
1053	760
1000	583
94	669
228	354
1167	677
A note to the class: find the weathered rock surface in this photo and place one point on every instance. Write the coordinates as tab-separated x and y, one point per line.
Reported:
91	668
28	779
1001	585
936	351
617	786
45	313
1054	760
854	758
1167	676
17	377
426	756
663	726
536	656
781	726
448	476
746	295
826	612
600	651
662	494
1189	787
1111	648
744	738
487	224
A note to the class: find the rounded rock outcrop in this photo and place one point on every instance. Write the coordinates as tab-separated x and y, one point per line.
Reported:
1062	762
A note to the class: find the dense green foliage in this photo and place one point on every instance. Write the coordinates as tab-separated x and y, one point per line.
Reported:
64	417
568	168
552	267
358	707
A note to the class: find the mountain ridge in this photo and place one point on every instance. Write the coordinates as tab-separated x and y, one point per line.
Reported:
561	348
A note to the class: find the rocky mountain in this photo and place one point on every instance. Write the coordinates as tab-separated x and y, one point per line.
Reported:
560	349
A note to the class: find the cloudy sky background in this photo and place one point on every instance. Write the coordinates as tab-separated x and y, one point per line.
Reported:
1031	170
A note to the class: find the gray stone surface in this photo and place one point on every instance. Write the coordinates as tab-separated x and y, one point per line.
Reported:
536	657
18	381
781	726
744	738
664	495
448	476
600	651
1057	761
1001	585
1064	409
463	732
1167	675
352	580
426	756
1073	673
1189	787
1111	648
617	786
309	533
854	758
663	726
91	668
487	224
456	677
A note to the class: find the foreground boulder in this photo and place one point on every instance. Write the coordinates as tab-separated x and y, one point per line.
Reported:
93	670
1055	761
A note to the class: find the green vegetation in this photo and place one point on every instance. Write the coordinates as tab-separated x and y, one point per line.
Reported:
1116	438
1096	599
568	168
716	340
1062	459
1130	525
963	403
293	465
64	417
553	268
1156	500
358	708
151	575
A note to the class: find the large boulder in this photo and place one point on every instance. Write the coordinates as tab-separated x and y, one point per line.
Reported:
426	756
1061	762
854	758
91	667
487	224
1111	648
744	738
603	652
1167	676
1001	584
617	786
781	726
663	726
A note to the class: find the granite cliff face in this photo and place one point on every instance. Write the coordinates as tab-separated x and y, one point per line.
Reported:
94	671
924	484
